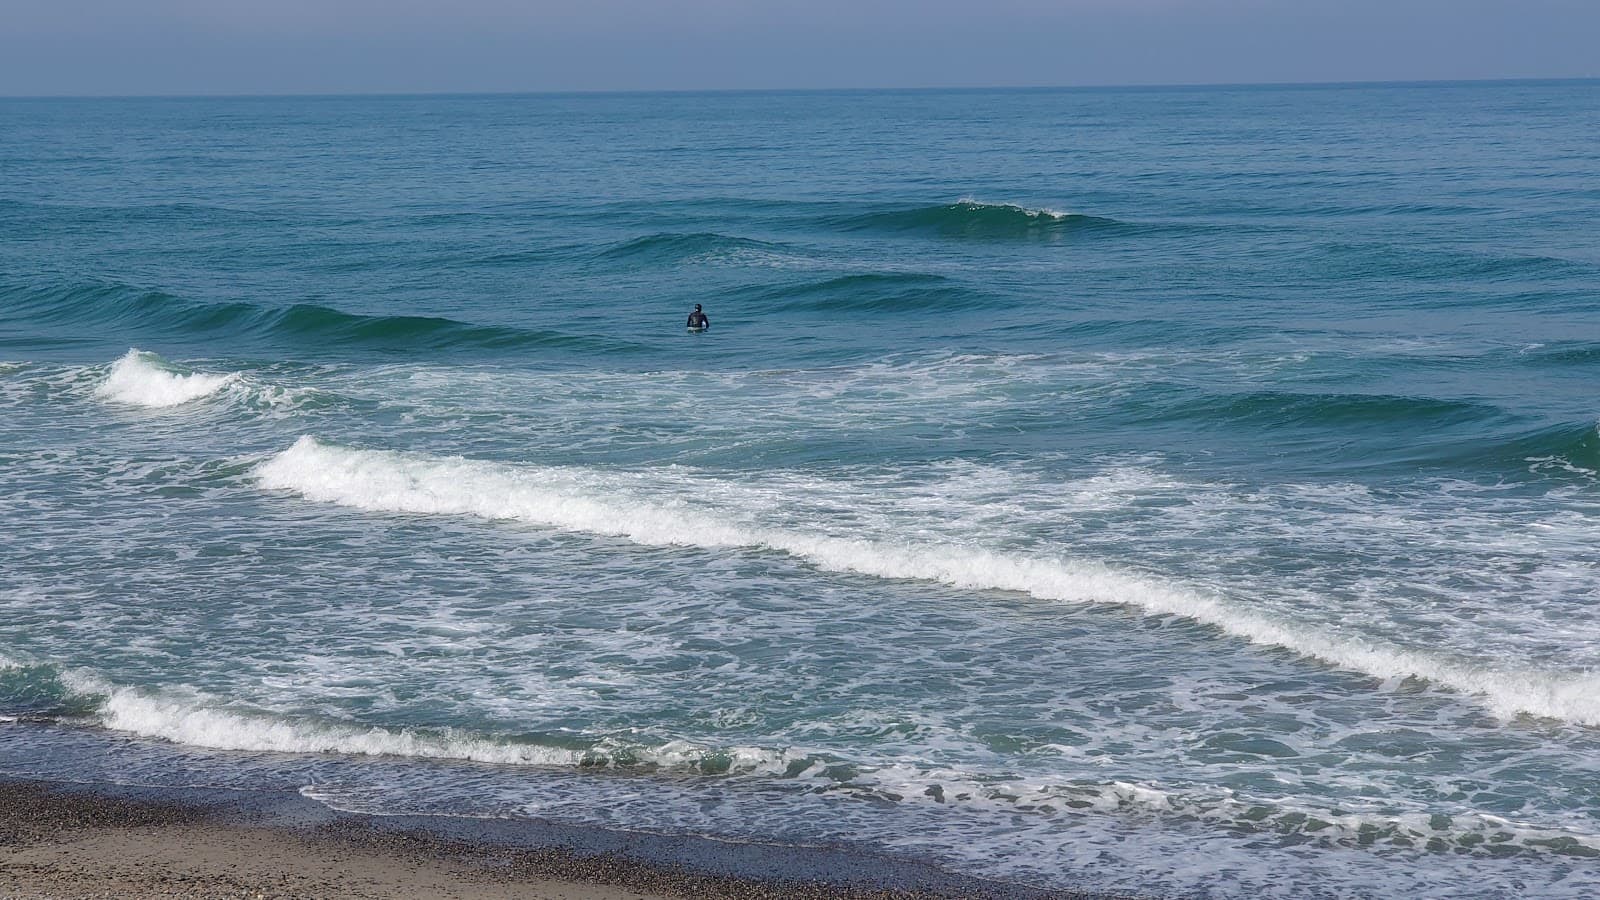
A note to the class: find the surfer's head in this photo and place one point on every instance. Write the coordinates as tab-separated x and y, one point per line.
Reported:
697	307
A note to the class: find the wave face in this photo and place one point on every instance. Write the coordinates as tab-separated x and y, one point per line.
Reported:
975	220
124	309
1053	497
1346	410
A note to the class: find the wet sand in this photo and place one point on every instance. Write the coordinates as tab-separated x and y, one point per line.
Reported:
75	841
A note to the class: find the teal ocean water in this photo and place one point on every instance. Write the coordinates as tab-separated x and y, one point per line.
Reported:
1186	491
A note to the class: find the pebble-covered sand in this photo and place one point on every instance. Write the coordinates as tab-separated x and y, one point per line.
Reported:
61	842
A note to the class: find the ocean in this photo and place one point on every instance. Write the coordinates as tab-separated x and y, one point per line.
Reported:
1191	491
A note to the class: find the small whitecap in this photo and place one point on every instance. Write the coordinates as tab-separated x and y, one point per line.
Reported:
145	379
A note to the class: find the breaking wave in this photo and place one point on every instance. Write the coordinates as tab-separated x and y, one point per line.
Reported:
45	693
145	379
182	716
391	481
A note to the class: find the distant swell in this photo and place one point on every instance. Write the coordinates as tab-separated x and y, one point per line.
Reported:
877	293
419	484
972	219
124	308
397	331
1573	354
1388	262
669	247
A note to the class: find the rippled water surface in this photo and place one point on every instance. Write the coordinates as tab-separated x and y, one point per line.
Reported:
1194	491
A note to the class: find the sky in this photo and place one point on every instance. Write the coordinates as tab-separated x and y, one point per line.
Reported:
121	47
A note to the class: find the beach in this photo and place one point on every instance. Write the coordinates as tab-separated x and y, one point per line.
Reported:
72	841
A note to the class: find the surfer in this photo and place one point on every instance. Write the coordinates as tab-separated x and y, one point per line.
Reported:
698	320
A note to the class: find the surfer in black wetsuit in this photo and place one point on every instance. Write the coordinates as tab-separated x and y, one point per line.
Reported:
698	320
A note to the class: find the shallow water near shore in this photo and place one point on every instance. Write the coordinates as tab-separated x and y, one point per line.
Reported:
1190	492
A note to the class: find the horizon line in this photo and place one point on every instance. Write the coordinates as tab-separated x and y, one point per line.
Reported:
600	92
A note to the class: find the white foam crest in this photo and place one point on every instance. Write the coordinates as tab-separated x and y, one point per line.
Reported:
143	379
388	481
195	723
1041	212
192	719
391	481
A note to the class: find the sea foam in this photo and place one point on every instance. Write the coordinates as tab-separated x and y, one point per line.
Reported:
194	719
145	379
392	481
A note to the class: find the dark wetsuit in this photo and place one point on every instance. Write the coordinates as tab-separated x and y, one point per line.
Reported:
697	319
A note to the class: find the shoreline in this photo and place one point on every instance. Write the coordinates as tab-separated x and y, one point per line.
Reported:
61	839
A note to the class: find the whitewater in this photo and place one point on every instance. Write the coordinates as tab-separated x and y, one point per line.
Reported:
1129	491
389	482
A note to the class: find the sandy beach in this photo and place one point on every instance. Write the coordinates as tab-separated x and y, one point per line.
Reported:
67	841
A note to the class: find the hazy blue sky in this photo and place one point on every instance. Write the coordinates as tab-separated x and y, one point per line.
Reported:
336	46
